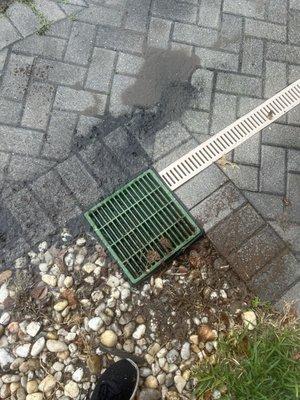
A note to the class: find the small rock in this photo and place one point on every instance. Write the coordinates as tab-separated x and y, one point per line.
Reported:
180	383
56	346
5	276
10	378
89	267
33	328
47	384
108	338
206	333
38	347
154	349
35	396
158	283
3	293
149	394
68	282
151	382
216	394
50	280
249	320
113	281
4	319
94	364
58	366
29	365
139	332
23	350
21	394
125	293
69	259
77	375
128	345
185	351
172	356
71	389
61	305
95	323
81	242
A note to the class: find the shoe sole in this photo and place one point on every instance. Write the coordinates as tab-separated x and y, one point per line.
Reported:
137	378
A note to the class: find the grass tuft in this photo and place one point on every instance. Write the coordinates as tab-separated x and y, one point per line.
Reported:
263	364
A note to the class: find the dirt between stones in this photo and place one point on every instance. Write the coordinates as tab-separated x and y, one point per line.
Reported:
199	287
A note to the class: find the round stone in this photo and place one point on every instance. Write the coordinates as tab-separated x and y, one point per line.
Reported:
56	346
109	338
71	389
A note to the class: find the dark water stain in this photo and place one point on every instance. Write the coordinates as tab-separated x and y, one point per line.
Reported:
161	69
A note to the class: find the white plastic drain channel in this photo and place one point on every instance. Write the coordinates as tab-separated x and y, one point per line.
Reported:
226	140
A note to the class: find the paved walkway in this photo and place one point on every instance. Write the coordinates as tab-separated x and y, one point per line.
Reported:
106	93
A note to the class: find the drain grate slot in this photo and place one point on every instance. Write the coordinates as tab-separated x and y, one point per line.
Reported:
142	225
229	138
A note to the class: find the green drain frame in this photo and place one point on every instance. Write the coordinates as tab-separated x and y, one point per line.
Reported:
142	225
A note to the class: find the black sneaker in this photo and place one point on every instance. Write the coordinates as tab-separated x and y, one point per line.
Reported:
118	382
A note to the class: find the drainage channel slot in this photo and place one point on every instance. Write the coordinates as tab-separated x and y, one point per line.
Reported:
232	136
142	224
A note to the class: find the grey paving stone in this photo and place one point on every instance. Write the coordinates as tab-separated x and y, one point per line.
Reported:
71	9
276	78
217	59
276	277
230	36
294	160
101	68
252	61
159	33
20	140
272	171
244	176
266	30
175	154
23	18
294	4
137	15
3	55
80	100
96	14
292	295
80	44
129	64
120	39
50	10
209	13
276	11
247	8
183	47
202	80
38	105
294	32
175	10
16	77
59	136
247	104
224	111
127	150
196	121
104	165
217	206
195	35
289	232
85	125
249	151
268	205
59	72
236	83
282	135
120	84
52	192
163	141
238	227
293	116
42	45
293	195
61	29
201	186
8	33
4	160
78	179
283	52
10	111
34	222
24	168
256	252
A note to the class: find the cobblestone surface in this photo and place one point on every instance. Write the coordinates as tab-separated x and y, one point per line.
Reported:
68	133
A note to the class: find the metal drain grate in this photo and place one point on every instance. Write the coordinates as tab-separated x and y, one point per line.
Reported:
142	225
226	140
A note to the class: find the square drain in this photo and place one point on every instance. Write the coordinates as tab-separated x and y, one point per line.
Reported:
142	225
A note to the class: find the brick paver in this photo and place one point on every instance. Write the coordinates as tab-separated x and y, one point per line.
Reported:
73	125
